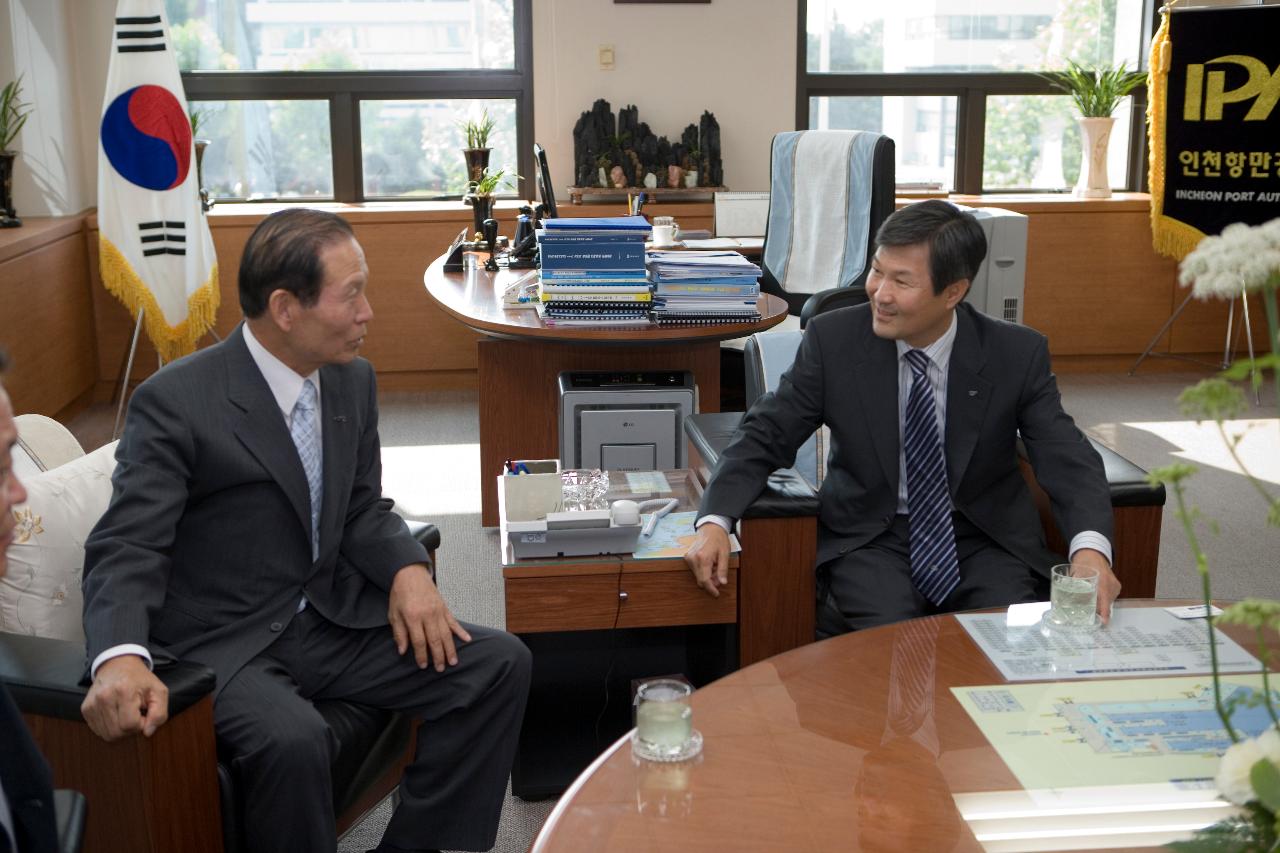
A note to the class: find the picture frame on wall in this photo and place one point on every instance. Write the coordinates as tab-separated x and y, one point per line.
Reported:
661	1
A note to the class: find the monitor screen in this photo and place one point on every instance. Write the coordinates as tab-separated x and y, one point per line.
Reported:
545	193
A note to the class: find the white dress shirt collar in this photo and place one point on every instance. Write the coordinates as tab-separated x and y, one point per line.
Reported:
939	352
284	383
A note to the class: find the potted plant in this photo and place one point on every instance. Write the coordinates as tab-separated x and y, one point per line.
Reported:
480	194
1096	93
13	115
477	151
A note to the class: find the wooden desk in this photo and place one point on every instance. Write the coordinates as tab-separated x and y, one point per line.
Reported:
594	623
801	754
520	359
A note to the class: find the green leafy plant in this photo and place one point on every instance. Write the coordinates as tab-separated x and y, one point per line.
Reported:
1095	91
478	130
197	119
489	182
13	112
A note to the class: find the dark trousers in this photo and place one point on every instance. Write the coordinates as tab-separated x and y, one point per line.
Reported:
872	585
452	793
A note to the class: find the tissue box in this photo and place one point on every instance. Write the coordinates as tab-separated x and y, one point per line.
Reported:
529	497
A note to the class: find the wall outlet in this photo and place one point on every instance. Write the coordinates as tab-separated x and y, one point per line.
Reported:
606	57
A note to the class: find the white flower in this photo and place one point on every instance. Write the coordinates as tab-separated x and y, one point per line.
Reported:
1237	762
1240	258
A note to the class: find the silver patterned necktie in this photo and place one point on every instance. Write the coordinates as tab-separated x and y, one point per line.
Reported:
935	569
304	429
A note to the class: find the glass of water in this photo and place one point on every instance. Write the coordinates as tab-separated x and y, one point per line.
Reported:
664	722
1073	596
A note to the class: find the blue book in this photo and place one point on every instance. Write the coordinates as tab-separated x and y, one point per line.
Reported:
569	238
587	223
602	273
594	256
687	288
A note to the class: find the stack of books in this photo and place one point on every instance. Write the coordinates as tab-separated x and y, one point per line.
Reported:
592	271
701	288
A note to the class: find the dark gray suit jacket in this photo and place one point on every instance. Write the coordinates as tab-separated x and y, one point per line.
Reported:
205	548
998	386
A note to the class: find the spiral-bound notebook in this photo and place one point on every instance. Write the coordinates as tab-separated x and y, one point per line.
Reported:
703	319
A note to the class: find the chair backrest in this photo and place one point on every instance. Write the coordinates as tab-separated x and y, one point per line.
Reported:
829	190
768	355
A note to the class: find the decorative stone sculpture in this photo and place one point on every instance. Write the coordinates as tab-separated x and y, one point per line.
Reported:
626	153
675	177
618	176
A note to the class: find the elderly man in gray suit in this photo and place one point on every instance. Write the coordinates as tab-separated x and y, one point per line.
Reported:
247	531
923	509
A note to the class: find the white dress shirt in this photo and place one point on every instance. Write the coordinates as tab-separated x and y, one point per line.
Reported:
286	386
939	353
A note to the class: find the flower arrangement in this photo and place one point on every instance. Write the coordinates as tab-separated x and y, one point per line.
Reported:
1242	259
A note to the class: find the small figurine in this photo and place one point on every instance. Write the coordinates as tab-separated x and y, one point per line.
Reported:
650	180
618	177
675	177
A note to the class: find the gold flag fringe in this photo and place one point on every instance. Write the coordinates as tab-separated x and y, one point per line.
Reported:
1169	237
171	342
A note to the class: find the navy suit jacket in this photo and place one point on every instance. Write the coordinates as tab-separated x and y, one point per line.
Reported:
28	785
999	386
205	548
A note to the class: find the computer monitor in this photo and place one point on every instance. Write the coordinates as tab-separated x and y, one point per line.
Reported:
545	193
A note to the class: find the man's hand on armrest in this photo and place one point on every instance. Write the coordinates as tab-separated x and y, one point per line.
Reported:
125	698
708	558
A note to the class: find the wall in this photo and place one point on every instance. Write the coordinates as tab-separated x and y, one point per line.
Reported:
51	178
735	58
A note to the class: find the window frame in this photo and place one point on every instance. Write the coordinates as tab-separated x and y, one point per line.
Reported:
970	89
344	90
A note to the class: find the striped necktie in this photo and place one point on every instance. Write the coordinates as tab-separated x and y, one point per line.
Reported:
303	428
935	569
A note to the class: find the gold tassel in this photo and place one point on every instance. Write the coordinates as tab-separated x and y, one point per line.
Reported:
1169	237
171	342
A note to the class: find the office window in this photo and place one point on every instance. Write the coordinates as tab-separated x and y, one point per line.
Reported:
1033	142
926	152
352	99
968	74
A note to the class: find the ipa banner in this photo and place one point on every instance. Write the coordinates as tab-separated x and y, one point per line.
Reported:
155	251
1214	127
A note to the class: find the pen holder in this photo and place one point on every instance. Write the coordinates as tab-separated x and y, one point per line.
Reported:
529	497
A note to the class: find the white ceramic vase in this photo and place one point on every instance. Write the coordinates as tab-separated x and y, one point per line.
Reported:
1095	134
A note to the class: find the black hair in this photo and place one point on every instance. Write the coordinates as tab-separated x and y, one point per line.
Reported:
954	237
283	253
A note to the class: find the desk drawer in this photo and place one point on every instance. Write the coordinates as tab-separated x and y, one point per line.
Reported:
588	602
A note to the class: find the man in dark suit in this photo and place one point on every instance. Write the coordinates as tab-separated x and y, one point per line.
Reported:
923	509
247	531
26	786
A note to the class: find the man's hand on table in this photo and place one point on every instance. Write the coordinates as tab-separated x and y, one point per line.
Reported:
1108	584
708	558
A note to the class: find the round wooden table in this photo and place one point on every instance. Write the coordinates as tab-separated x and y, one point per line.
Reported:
520	357
855	743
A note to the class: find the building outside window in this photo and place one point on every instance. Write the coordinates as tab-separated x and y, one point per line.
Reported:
956	88
353	99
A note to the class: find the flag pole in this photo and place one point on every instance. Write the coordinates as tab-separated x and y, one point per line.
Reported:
128	369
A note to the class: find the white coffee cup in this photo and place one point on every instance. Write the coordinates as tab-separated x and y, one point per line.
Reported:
664	235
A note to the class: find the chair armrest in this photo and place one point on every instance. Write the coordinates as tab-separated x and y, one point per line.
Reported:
427	534
786	494
830	300
1126	481
69	813
47	677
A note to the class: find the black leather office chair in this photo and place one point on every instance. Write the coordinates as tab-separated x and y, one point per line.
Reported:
829	190
44	677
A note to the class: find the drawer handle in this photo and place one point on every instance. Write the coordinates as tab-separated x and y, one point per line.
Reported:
622	595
